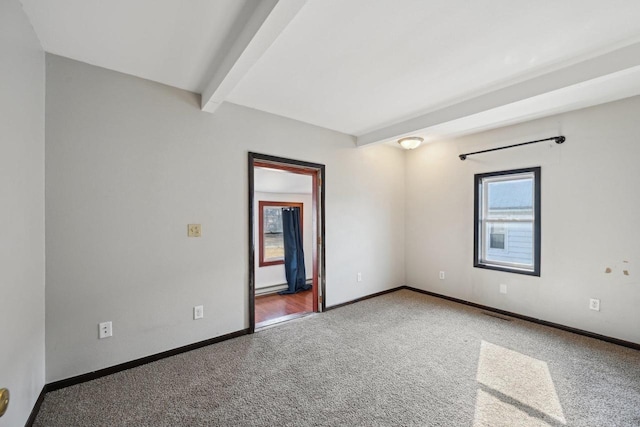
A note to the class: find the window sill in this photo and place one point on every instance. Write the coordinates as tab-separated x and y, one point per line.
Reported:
507	269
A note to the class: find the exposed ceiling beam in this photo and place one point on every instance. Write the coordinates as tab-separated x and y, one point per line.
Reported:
266	21
575	86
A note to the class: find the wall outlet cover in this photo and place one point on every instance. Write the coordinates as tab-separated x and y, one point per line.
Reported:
105	330
198	312
594	304
503	288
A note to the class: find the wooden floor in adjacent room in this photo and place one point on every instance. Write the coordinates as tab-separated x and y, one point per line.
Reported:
274	306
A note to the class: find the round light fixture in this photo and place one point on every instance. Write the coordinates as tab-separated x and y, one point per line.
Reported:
410	142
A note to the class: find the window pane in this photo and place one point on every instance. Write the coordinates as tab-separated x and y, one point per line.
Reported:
512	199
496	241
516	244
273	246
273	241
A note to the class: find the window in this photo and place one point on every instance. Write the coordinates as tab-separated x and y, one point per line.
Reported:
507	221
496	240
270	229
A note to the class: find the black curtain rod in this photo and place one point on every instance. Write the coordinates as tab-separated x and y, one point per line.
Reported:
559	140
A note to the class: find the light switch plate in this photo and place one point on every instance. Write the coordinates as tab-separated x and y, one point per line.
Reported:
194	230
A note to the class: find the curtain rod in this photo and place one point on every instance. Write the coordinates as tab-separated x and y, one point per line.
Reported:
559	140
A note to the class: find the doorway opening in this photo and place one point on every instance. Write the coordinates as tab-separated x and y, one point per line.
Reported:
283	192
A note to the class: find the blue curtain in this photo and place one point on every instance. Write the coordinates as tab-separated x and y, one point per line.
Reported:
293	252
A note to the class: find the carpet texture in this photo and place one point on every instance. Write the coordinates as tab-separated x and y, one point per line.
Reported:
401	359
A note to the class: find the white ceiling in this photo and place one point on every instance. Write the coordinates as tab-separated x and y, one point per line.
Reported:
169	41
374	69
280	181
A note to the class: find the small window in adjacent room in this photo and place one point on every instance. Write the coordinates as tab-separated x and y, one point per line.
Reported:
270	229
507	221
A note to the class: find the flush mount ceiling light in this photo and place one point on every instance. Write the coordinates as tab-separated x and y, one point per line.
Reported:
410	142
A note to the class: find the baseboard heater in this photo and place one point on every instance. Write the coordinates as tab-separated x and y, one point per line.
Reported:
276	288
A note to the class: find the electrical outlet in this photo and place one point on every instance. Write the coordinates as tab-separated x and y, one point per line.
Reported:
503	288
198	312
194	230
105	330
594	304
359	277
442	275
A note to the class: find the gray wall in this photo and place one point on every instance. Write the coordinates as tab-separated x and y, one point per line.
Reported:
130	163
22	83
590	205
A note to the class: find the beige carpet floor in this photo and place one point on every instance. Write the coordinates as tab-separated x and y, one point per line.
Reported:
402	359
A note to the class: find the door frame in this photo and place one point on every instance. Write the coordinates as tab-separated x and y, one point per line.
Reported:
317	173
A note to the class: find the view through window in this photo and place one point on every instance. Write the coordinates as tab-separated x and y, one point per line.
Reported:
507	229
270	228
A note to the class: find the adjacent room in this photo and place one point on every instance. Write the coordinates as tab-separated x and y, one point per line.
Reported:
283	285
319	212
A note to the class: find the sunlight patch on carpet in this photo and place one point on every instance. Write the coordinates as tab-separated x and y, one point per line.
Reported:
515	389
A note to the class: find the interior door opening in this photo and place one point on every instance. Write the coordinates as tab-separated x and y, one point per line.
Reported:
286	239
